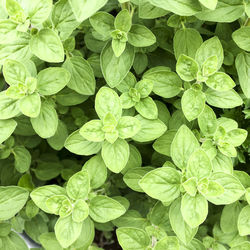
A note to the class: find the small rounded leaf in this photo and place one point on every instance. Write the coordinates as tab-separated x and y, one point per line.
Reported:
78	185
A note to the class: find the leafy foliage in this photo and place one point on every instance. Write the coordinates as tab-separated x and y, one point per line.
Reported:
125	124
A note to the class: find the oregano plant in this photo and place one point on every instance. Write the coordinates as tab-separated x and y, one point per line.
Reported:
124	124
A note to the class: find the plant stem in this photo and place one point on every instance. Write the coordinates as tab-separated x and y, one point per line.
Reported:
125	5
247	22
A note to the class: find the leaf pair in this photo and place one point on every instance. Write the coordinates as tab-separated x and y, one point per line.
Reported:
137	95
121	30
72	208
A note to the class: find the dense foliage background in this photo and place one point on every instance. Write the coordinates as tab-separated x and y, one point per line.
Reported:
124	124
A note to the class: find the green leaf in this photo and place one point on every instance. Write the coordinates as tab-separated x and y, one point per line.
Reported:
133	176
8	106
107	101
104	209
134	161
45	124
76	144
209	67
226	11
97	171
236	137
128	82
13	8
209	188
68	97
115	155
66	209
209	148
58	139
140	63
199	165
141	36
14	241
162	184
183	145
243	221
49	241
241	38
227	123
187	41
63	18
46	45
147	108
78	186
166	84
128	127
67	231
222	163
150	129
220	82
7	127
242	64
192	103
30	105
233	189
84	10
179	7
144	87
194	209
22	159
92	131
148	11
183	231
16	91
127	101
227	149
5	229
132	238
118	47
48	170
102	22
51	80
41	194
12	200
87	234
162	144
38	11
211	47
33	230
114	68
16	50
14	72
7	29
54	203
82	76
190	186
226	99
123	21
167	243
229	217
187	68
210	4
241	246
80	211
207	121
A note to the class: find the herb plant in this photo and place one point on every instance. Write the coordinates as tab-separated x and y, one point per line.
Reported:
125	124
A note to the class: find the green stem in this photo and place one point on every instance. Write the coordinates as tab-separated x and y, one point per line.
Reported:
247	22
183	25
125	5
